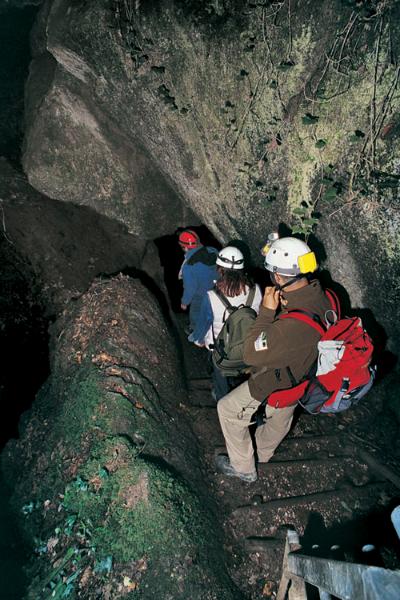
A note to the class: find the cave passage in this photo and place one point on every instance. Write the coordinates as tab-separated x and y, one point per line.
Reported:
25	341
23	325
171	258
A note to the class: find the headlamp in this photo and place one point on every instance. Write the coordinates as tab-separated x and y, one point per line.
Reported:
272	237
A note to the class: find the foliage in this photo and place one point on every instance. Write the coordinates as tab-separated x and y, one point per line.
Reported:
362	147
309	119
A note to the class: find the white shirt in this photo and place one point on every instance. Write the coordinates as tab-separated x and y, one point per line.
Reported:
221	313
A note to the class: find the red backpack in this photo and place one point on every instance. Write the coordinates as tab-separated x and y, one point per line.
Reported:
342	373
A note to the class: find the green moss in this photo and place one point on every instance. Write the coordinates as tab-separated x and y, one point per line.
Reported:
139	509
86	408
336	121
122	509
81	412
302	48
121	506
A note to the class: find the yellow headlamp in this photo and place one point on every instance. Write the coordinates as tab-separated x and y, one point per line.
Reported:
272	237
307	263
265	249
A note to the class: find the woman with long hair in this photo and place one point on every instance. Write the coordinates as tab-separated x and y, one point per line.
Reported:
235	284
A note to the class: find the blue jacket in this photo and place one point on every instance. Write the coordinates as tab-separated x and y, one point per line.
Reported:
204	321
197	278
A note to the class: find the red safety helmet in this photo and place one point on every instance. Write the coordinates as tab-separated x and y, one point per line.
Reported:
189	239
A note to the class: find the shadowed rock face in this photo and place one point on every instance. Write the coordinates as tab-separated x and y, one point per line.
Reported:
66	246
75	149
243	111
15	25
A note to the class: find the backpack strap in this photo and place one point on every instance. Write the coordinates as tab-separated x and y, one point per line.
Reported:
306	317
334	301
250	296
204	256
224	300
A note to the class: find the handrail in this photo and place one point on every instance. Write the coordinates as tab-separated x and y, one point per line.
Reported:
347	581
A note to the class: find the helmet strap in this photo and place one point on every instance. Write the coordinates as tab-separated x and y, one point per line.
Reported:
282	287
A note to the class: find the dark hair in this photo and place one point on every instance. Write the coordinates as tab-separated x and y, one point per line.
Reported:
232	282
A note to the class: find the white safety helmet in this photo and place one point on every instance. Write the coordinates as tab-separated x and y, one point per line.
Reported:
230	258
290	257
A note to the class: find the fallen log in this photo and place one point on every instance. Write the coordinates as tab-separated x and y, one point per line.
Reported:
378	468
333	494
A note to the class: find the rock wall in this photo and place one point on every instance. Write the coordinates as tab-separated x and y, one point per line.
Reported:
63	246
254	114
77	152
106	478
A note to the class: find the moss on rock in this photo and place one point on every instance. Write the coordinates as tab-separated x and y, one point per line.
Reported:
112	496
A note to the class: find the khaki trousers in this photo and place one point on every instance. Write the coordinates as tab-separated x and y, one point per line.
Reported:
235	411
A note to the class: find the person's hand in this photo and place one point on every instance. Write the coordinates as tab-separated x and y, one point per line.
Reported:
271	298
199	344
183	306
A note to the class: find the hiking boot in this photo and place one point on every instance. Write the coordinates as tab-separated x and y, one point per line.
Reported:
224	466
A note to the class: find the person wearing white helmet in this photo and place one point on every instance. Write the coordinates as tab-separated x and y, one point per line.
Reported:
280	353
290	258
235	284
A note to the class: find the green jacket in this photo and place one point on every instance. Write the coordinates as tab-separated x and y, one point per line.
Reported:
274	344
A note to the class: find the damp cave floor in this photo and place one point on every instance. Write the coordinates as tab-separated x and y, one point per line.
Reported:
323	481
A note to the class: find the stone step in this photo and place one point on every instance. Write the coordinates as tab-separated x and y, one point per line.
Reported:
305	448
262	544
378	468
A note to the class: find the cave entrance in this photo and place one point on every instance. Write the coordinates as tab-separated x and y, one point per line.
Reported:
171	258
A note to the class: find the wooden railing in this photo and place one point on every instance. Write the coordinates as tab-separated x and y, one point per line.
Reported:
334	578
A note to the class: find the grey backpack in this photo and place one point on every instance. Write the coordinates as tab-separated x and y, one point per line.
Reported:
229	344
